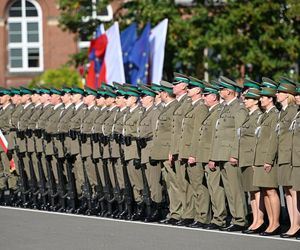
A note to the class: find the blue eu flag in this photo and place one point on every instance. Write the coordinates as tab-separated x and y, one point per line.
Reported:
138	59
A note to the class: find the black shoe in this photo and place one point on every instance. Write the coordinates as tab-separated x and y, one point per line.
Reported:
275	232
232	228
258	230
155	216
197	224
184	222
286	236
298	237
212	226
169	221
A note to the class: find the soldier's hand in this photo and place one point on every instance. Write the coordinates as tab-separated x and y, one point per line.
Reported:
191	160
233	161
267	167
211	165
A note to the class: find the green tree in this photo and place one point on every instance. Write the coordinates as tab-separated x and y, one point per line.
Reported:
57	78
260	36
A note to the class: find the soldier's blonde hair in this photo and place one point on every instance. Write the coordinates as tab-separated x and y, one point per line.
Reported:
291	99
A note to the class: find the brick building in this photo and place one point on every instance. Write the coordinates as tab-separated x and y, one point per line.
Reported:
31	40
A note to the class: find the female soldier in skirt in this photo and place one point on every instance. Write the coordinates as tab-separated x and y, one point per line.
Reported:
247	145
295	176
285	96
265	171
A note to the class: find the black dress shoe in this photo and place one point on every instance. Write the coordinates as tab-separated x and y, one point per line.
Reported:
232	228
197	224
286	236
212	226
298	237
275	232
258	230
184	222
169	221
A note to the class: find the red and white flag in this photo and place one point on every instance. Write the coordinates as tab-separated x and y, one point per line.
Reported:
3	144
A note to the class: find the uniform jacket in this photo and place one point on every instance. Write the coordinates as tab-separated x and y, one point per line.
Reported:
248	139
285	118
266	146
163	133
4	121
13	122
225	142
202	137
295	130
191	123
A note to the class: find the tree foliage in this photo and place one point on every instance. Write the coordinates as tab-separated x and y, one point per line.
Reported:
257	37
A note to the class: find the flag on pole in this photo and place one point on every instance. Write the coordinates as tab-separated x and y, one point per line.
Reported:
3	144
139	58
157	44
128	39
112	69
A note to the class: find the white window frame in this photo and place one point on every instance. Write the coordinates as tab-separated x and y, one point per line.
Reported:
25	45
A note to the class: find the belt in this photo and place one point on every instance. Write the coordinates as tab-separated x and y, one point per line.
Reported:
13	129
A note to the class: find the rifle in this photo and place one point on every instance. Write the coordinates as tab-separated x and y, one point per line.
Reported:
146	190
87	193
128	194
23	189
52	189
99	193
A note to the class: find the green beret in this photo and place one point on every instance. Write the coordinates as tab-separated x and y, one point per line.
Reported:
251	84
252	93
196	82
267	91
55	91
267	82
77	90
25	91
179	78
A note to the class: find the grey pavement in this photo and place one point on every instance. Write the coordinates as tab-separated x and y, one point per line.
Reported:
36	230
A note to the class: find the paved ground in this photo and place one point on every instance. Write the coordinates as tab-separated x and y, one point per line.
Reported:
36	230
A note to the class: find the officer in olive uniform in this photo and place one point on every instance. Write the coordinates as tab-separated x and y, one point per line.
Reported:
161	142
193	210
203	140
146	127
224	152
6	168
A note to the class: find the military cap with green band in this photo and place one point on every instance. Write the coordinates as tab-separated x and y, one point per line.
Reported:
180	78
5	92
25	91
155	87
45	91
196	82
110	93
131	92
227	83
55	91
297	88
252	93
166	87
251	84
267	91
36	91
267	82
77	90
15	91
146	91
90	91
209	89
66	90
287	86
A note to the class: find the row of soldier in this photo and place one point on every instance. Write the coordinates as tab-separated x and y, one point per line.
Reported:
189	147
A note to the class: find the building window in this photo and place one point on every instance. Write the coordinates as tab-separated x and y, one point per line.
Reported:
25	43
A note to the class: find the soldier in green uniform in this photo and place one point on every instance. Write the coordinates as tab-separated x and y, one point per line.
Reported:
295	129
6	168
265	170
247	144
224	152
177	202
196	210
146	127
161	142
201	147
